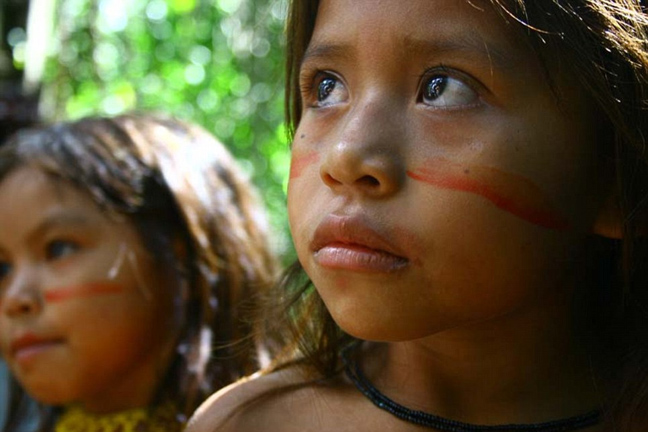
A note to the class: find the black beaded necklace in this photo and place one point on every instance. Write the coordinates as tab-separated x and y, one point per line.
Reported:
442	424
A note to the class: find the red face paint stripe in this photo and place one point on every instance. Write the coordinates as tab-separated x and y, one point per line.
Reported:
512	193
299	162
78	291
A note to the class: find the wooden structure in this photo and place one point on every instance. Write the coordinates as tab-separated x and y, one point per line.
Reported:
17	107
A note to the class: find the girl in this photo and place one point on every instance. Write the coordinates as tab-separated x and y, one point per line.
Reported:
468	197
130	253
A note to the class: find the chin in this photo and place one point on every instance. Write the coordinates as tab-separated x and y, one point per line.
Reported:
380	329
49	393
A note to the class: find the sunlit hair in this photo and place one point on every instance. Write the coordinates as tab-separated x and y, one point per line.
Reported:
603	47
196	212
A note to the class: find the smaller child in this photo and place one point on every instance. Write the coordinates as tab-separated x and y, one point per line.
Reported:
130	253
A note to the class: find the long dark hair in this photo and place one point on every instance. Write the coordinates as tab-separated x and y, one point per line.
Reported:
604	46
184	192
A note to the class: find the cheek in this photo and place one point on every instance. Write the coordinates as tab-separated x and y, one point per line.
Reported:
300	161
135	270
296	214
509	192
75	292
121	320
304	179
109	339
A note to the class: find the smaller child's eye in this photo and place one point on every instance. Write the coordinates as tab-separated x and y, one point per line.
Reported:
5	268
60	248
330	91
443	91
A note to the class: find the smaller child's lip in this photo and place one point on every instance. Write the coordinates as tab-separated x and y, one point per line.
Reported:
29	339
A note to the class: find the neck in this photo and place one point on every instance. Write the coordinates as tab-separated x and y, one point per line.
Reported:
120	398
521	368
136	389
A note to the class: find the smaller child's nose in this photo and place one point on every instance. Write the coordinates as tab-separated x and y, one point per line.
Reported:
21	298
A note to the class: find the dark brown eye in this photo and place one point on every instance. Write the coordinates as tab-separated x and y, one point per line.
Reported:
434	87
330	91
5	268
60	248
326	87
443	91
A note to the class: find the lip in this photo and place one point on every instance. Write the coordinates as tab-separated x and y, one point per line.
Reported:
351	243
28	345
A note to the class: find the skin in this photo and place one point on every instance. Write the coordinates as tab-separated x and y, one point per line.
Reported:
470	260
85	284
511	193
76	292
478	202
299	163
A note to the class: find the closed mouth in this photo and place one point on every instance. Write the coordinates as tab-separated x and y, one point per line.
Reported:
351	243
29	343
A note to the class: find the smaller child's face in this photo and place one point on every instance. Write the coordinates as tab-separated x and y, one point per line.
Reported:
436	181
85	315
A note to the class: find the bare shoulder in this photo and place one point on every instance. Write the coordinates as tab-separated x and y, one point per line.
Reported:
227	409
283	401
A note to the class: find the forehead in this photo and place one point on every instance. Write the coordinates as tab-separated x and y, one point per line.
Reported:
29	197
412	26
27	182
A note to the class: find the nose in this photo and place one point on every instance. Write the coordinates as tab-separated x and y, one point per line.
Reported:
22	298
367	154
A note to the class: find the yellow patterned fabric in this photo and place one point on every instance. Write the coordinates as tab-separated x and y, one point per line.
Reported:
74	419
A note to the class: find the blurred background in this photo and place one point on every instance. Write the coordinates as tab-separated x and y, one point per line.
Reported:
214	62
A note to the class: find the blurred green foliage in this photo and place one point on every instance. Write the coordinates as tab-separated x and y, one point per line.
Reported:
214	62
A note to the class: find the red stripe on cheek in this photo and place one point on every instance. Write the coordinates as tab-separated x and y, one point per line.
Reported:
80	291
510	192
299	162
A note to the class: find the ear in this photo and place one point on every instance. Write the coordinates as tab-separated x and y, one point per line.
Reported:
609	222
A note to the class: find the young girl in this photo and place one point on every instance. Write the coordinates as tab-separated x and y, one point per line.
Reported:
468	197
131	250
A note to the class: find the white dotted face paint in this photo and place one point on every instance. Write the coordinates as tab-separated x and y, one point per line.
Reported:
143	287
119	260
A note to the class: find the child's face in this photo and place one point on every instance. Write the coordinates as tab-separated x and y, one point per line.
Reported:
85	314
435	180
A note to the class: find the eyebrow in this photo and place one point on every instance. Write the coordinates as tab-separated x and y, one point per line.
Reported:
327	50
467	44
59	219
